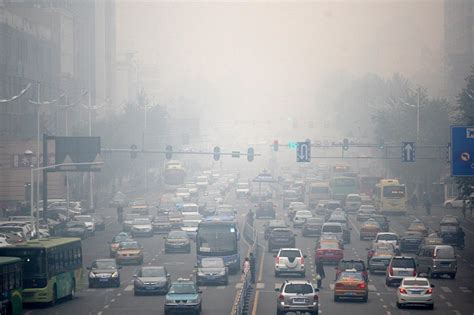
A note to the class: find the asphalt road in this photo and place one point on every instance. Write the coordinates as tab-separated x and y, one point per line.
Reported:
451	296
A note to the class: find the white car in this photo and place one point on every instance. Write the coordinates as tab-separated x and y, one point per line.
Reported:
353	202
290	260
88	221
183	193
300	217
142	227
455	203
388	237
415	291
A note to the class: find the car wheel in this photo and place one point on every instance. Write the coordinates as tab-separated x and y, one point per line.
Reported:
431	306
336	299
387	283
277	274
136	293
91	285
73	290
54	297
400	306
365	299
449	205
371	271
452	275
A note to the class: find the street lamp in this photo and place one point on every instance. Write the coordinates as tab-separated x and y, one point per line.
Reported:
29	153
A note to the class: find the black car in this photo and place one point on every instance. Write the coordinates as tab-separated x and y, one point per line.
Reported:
410	241
281	238
151	280
383	222
162	224
177	242
104	273
273	224
265	209
211	270
75	229
99	222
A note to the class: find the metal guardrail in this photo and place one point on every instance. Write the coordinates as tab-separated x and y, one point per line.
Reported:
251	236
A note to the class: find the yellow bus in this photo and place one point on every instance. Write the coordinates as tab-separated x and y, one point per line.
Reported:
390	197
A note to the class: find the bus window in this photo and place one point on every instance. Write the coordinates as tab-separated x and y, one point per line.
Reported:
394	191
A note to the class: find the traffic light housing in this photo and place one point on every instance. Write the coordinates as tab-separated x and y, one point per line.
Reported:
169	152
133	152
217	153
250	154
345	144
275	145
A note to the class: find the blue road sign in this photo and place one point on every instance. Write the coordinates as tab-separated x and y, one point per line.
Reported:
408	151
303	151
462	150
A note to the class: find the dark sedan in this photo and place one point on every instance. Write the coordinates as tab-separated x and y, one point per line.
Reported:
162	224
410	241
151	279
212	270
177	242
104	273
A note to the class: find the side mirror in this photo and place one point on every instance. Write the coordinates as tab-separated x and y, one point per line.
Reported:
135	276
432	285
89	268
277	289
168	275
200	291
304	256
119	267
316	289
274	256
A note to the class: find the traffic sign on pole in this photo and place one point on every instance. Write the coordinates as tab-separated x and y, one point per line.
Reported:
462	150
408	151
217	153
303	152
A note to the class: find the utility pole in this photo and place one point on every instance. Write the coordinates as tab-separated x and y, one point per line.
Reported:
418	115
38	99
91	195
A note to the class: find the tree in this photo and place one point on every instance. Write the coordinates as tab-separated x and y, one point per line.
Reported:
465	116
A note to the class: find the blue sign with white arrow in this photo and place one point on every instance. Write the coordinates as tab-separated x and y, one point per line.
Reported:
408	151
462	150
303	151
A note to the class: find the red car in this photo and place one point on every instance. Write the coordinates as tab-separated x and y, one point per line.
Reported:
329	252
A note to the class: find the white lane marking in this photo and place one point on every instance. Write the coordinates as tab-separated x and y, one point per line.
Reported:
109	290
129	287
331	286
446	290
442	296
100	313
260	285
465	290
113	300
372	287
106	306
220	287
119	294
384	306
449	304
239	285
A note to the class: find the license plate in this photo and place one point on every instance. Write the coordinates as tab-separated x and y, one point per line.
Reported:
149	288
349	293
445	264
404	273
415	292
104	280
299	301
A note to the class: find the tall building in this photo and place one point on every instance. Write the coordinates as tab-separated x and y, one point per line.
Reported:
458	43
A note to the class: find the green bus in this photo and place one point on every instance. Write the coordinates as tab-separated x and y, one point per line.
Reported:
342	186
11	301
52	267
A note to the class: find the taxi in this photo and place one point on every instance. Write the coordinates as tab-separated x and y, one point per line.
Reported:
369	229
418	226
129	251
329	251
350	284
114	244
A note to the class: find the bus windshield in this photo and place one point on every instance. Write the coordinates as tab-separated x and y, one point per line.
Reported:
344	182
394	191
34	264
217	240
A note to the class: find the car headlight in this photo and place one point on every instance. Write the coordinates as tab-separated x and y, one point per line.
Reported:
222	273
200	274
115	274
193	301
169	301
139	282
92	275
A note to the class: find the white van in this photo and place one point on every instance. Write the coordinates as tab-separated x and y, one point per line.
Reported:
333	228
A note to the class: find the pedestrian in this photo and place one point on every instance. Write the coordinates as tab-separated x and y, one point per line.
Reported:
464	207
252	268
120	213
246	266
414	202
427	203
250	217
320	275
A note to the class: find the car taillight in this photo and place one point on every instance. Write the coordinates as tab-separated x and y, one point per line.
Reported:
402	290
277	260
429	291
339	285
302	260
390	271
414	273
281	297
361	285
316	297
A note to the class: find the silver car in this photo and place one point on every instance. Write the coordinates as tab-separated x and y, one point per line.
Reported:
297	296
151	279
399	268
290	261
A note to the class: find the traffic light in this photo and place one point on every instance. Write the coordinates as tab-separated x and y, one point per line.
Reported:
292	145
275	145
250	153
345	144
217	153
169	152
133	153
381	144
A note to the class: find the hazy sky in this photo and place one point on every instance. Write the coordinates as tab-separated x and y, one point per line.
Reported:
247	59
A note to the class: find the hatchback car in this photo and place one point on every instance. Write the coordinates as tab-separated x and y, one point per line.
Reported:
177	242
273	224
183	296
382	221
103	273
161	224
410	241
399	268
265	209
211	270
129	252
351	284
415	291
379	256
298	297
281	237
142	227
290	261
151	279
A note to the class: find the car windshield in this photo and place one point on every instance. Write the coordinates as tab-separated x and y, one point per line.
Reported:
329	245
277	223
315	220
445	253
104	264
298	288
449	228
183	288
212	263
417	226
131	216
84	218
174	235
120	238
129	245
387	237
152	272
416	283
141	222
332	229
403	263
353	198
367	210
357	265
350	276
281	233
71	224
304	214
290	253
